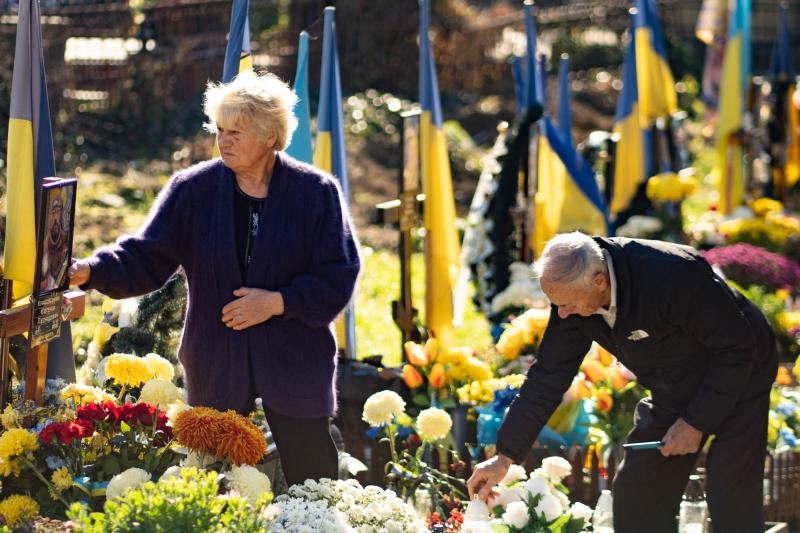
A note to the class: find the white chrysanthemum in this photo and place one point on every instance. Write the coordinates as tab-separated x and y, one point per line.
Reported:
171	472
549	507
381	407
128	312
159	367
537	485
174	409
509	495
516	515
198	460
161	392
433	424
556	468
581	511
83	394
249	482
132	478
515	473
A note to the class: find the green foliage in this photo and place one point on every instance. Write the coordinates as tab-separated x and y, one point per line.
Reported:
161	314
189	503
769	303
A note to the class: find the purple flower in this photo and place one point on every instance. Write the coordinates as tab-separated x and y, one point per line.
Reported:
751	265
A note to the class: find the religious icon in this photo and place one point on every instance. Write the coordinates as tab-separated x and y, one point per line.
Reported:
54	241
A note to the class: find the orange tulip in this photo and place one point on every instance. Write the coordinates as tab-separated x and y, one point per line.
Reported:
605	357
438	376
783	377
411	376
431	349
593	369
618	381
415	354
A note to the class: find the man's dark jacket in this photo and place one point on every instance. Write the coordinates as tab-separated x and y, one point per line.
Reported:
698	345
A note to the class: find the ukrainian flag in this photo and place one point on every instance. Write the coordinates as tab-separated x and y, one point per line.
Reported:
238	55
567	198
657	97
565	101
733	92
532	86
632	162
30	159
300	145
441	236
329	153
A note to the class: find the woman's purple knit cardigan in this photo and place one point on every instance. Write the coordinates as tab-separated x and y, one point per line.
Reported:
305	249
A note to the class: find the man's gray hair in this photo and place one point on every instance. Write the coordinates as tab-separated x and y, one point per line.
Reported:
570	258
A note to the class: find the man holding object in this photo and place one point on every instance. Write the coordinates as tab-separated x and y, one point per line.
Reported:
706	353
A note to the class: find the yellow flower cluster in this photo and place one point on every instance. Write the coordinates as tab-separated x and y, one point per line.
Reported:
16	445
227	435
433	424
482	392
670	187
62	479
18	509
10	418
779	230
764	206
84	394
524	331
131	371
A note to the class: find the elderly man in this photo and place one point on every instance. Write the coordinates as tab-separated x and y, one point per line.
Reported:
705	352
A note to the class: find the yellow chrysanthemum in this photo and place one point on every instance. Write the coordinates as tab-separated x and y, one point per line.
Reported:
15	444
159	367
18	509
127	369
763	206
62	479
381	407
433	424
84	394
10	418
160	392
102	333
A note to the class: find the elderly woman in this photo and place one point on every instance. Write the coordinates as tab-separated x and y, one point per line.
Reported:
270	259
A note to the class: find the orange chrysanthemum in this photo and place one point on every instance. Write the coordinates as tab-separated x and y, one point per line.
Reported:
199	429
240	440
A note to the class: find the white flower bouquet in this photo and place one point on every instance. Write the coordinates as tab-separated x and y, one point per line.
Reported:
539	502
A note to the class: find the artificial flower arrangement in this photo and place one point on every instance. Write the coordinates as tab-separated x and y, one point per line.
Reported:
409	470
538	502
434	373
523	292
784	419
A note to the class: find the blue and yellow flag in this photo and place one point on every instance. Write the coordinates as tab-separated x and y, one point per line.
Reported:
565	101
30	159
300	145
567	198
441	236
330	153
657	97
632	160
238	56
733	91
531	68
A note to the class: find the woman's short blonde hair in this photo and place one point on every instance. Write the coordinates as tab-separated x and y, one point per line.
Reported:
262	102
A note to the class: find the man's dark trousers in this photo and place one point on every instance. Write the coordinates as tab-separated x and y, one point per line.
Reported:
648	486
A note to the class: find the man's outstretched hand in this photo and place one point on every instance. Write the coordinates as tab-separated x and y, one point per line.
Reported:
486	475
